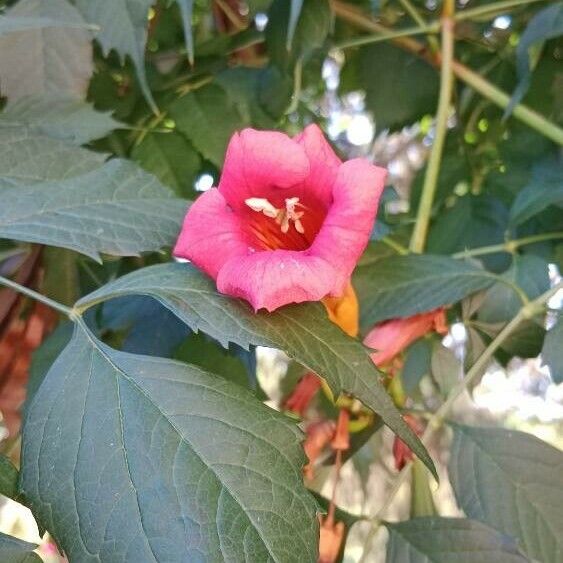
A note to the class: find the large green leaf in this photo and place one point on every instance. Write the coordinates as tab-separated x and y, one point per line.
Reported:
116	209
513	482
401	286
46	59
14	550
136	458
449	540
544	188
26	158
303	331
208	118
123	27
552	352
63	118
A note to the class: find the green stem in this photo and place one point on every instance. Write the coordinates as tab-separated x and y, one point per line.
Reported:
420	231
501	99
398	248
509	246
492	8
417	17
297	80
378	37
37	296
528	311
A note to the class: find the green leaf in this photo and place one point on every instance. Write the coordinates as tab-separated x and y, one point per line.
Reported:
46	60
171	159
8	478
449	540
512	481
546	24
502	303
122	28
186	11
473	221
417	365
446	368
116	209
303	331
401	286
243	85
311	28
408	92
294	11
67	119
552	352
14	550
137	458
544	188
52	159
201	351
208	118
130	317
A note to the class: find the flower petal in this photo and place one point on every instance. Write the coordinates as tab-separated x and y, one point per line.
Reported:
258	163
348	224
211	234
275	278
323	163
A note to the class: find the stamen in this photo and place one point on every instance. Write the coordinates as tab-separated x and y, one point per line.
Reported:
282	216
262	205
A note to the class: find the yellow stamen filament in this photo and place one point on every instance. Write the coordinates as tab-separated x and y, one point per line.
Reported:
283	217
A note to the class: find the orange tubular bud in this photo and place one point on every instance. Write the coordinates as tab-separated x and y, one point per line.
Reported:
303	394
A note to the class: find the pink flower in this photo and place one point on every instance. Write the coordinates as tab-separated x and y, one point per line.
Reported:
392	337
288	221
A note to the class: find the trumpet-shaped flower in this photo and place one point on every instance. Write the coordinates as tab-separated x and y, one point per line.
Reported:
288	221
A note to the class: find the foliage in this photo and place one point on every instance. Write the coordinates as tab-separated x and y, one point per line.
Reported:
146	436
